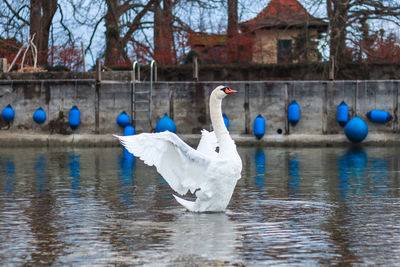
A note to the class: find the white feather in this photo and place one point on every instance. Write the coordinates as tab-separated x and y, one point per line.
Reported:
208	143
210	175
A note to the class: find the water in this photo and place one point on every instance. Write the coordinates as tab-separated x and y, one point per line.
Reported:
293	206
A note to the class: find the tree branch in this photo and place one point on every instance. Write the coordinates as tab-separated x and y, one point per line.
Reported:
16	14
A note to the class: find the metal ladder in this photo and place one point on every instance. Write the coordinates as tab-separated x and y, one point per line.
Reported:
142	97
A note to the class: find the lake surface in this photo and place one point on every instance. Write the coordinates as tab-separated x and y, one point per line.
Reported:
293	206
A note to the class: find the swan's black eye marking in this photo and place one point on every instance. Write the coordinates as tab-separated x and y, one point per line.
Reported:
224	89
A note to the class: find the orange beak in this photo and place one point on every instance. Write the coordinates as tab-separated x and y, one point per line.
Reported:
230	91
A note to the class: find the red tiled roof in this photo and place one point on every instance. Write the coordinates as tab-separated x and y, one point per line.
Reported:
283	13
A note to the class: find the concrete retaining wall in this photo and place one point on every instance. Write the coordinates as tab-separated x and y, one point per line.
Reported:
187	104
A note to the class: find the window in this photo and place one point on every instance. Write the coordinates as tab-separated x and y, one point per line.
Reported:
284	51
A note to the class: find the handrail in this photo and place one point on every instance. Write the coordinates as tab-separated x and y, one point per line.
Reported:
134	65
153	77
153	66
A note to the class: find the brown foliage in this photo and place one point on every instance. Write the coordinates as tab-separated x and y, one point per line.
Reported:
68	56
9	49
384	49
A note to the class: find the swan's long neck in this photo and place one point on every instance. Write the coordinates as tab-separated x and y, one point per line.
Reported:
216	118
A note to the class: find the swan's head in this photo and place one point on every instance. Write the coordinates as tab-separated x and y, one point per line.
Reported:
221	91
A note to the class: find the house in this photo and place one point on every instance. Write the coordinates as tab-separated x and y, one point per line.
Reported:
283	32
209	48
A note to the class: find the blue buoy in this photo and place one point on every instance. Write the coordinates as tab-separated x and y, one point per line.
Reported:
129	130
342	113
381	116
8	113
39	116
123	119
356	130
74	117
293	113
259	126
165	124
226	121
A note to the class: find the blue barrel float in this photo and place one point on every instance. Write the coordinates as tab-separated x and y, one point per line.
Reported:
165	124
8	113
128	130
380	116
356	130
293	113
226	121
39	116
123	119
259	126
74	117
342	113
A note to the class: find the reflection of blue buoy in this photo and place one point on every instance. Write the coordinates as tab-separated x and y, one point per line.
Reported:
293	113
74	117
226	121
123	119
165	124
342	113
9	173
259	126
381	116
126	179
352	171
259	159
8	113
294	176
74	173
356	130
39	116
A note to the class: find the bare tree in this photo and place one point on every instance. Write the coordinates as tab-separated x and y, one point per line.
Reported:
232	30
17	16
163	33
348	20
122	19
41	17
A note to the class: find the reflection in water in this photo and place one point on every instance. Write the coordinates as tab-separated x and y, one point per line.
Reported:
87	207
294	176
126	176
352	172
259	178
368	209
9	173
40	171
74	173
208	235
42	216
379	176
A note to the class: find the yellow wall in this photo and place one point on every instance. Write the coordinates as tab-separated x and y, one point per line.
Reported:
265	48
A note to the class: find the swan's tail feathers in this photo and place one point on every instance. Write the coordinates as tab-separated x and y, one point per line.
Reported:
190	205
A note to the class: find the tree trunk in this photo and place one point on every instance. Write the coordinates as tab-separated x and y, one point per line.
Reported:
338	15
115	54
232	46
41	17
163	33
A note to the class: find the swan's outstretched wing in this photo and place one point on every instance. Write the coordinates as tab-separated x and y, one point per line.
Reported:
181	166
208	143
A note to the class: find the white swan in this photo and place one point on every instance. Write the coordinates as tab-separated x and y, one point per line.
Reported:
210	175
